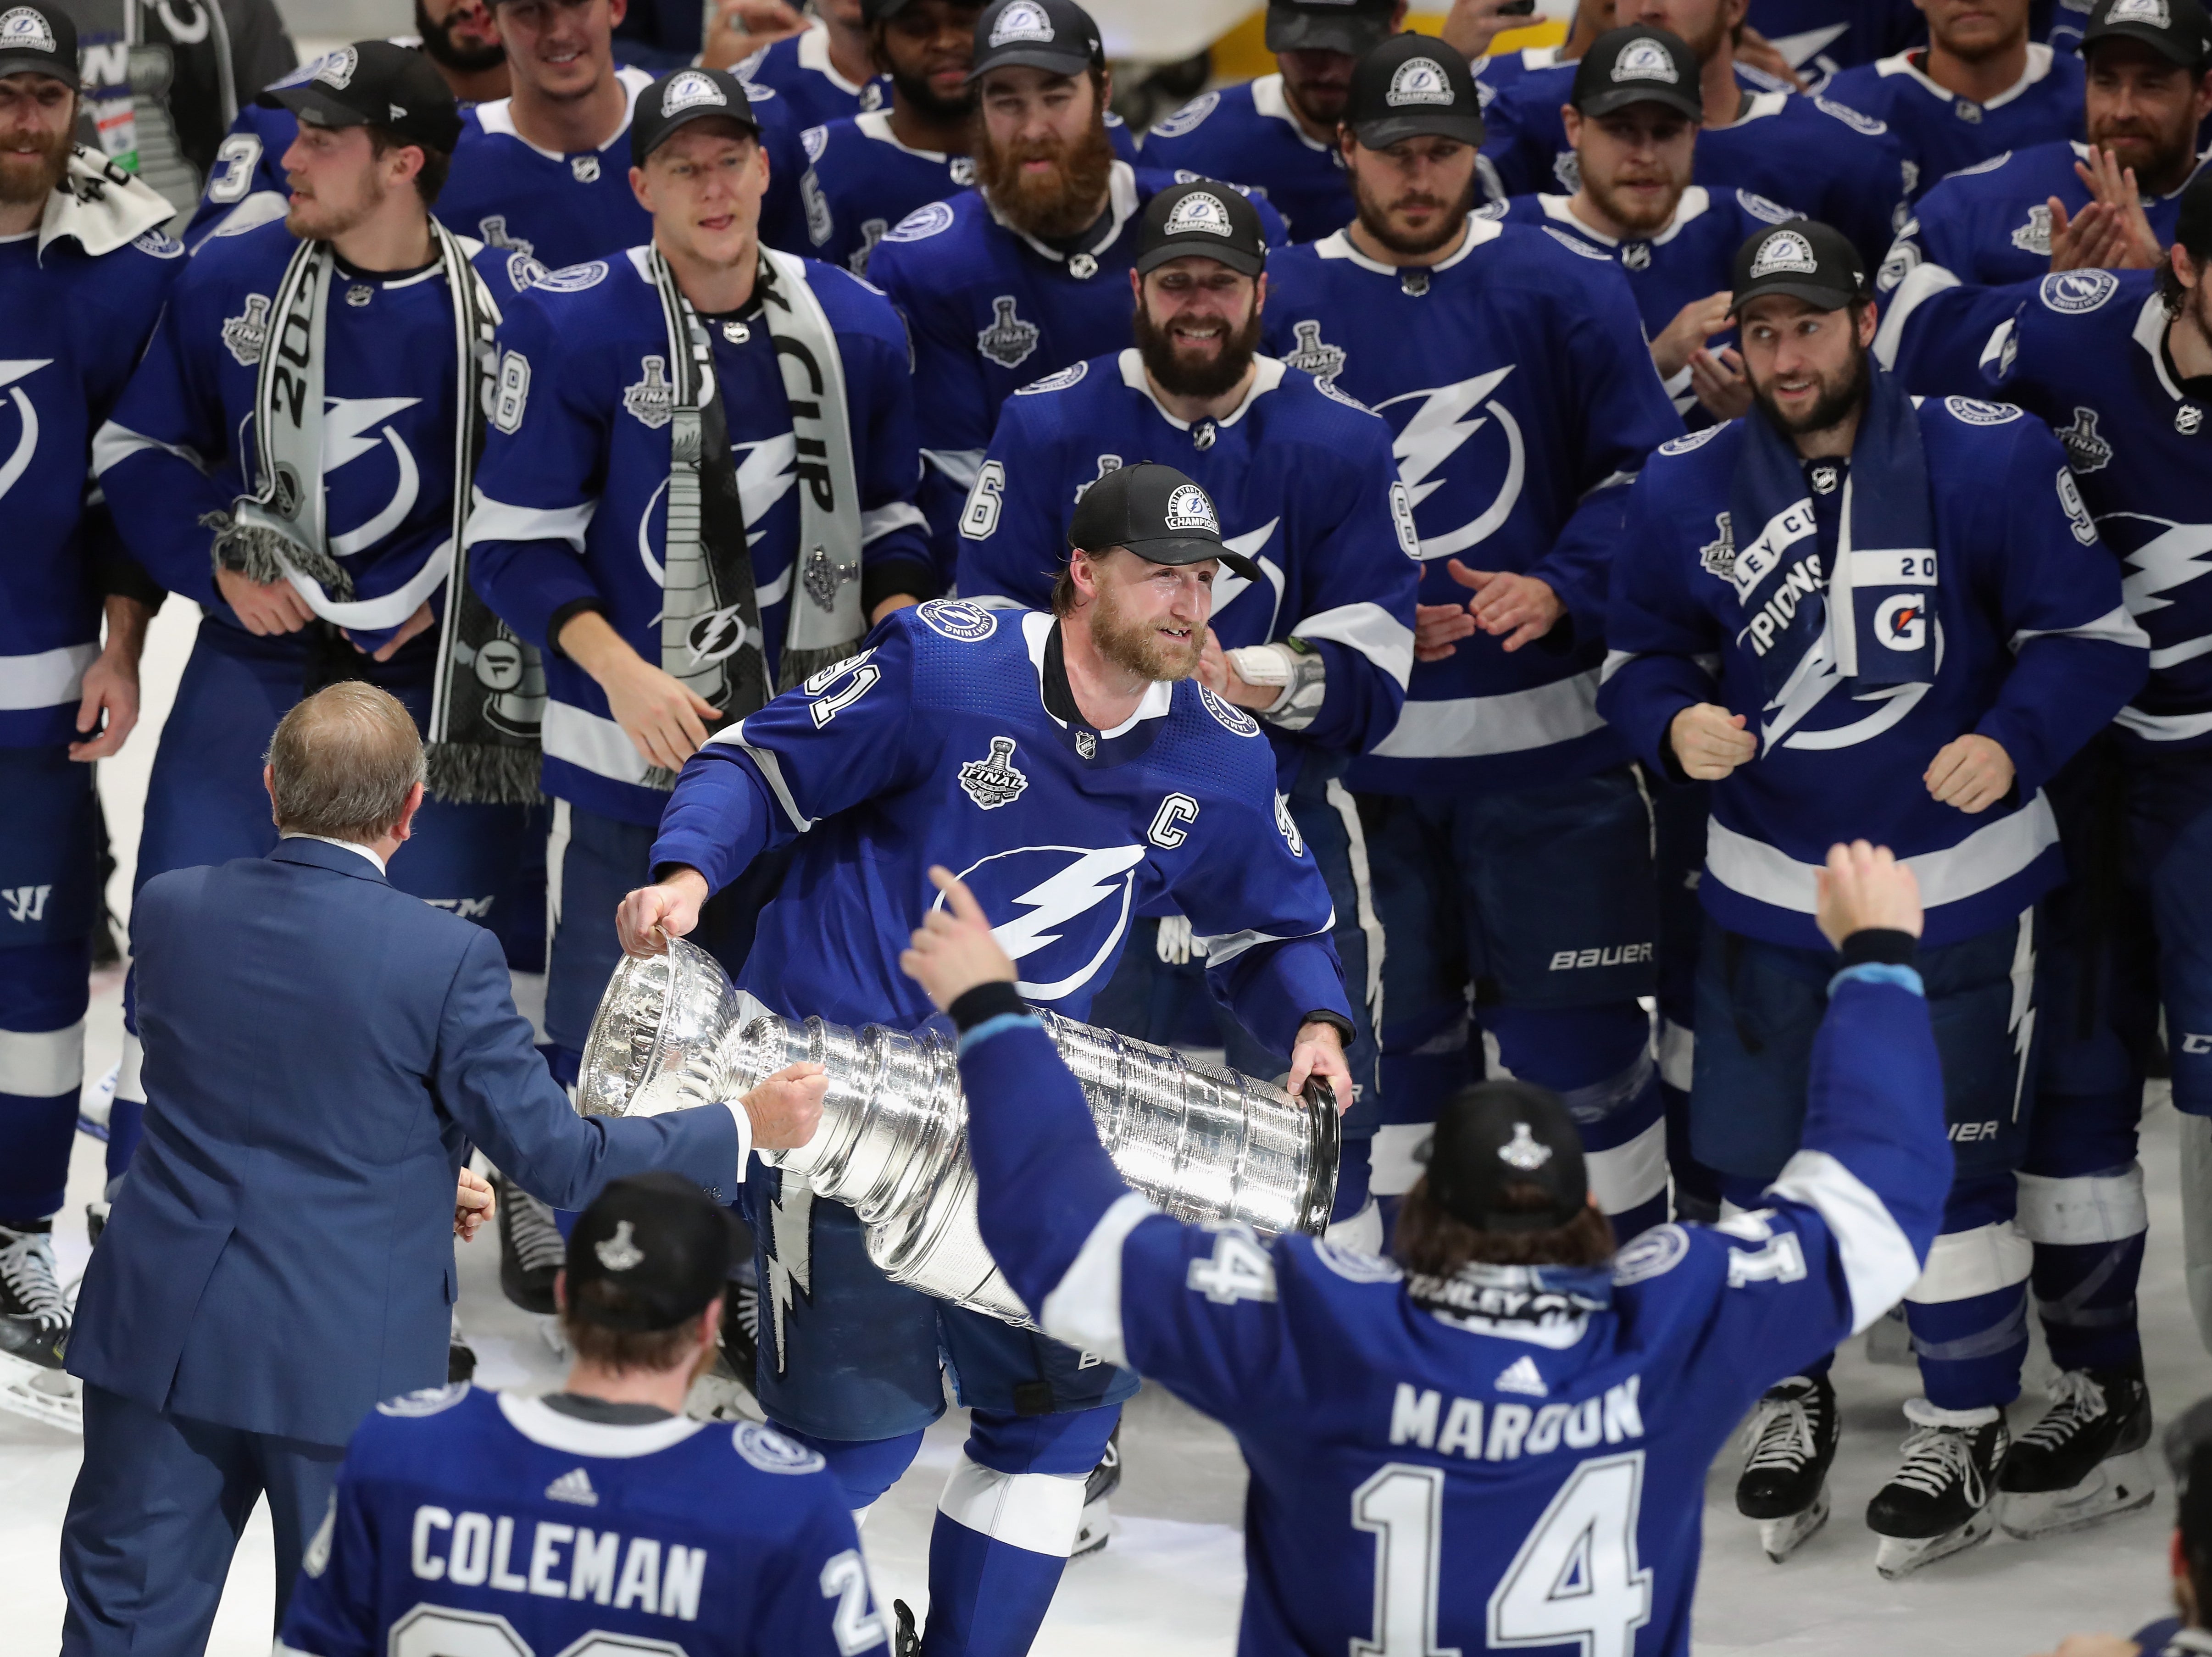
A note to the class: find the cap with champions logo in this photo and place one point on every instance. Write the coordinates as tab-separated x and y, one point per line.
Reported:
1497	1134
1637	65
1804	259
372	83
651	1251
1156	512
1352	26
38	40
1056	36
1413	86
1207	219
675	100
2176	30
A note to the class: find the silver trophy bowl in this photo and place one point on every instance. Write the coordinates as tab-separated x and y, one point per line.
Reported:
1201	1144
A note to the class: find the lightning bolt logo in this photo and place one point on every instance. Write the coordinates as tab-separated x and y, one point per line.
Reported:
2022	1023
354	426
1443	420
26	441
2170	559
1228	586
790	1255
1094	878
765	475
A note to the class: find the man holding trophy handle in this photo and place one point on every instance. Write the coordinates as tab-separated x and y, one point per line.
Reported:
1074	773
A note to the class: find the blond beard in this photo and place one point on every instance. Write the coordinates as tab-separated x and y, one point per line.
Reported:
1615	207
1136	647
1066	201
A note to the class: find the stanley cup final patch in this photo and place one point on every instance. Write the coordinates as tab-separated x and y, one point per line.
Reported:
993	780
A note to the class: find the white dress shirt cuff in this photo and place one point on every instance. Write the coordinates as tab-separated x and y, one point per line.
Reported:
738	1114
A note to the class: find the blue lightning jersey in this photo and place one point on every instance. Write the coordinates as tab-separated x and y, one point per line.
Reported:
990	308
72	325
1820	37
860	180
248	167
1939	132
797	68
181	443
1248	135
466	1520
1304	483
1839	165
1501	71
1990	224
1511	1456
572	503
1524	399
1694	258
2034	650
935	745
2086	351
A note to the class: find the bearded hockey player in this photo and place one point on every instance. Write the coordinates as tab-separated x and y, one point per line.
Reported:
1066	763
1978	88
1509	837
1633	121
1023	277
294	454
867	172
1495	1437
2120	366
2065	206
1814	153
1889	592
83	272
638	1525
1318	651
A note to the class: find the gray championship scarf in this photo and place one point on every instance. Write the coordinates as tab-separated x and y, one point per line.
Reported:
490	694
710	627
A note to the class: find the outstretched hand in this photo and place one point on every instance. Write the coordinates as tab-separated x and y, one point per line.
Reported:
954	949
1864	888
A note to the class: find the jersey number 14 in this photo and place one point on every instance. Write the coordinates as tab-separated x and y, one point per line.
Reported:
1574	1580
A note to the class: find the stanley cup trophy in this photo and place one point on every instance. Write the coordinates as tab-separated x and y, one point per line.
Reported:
1202	1144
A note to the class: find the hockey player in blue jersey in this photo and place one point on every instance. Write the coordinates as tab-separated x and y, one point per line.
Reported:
1320	647
334	471
1497	1435
1022	277
1915	627
1632	120
866	172
822	68
598	1518
2120	365
84	269
1979	87
2066	205
1069	766
1835	162
1507	831
770	540
1817	38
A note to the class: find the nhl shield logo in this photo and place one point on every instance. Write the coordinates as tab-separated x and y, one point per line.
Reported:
1200	211
1644	60
585	169
1086	744
1311	354
993	781
22	29
1635	256
1008	341
651	401
243	337
1418	81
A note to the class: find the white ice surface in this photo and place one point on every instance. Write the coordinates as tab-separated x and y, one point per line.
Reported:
1169	1584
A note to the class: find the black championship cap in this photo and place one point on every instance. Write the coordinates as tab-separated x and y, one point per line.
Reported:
38	40
688	95
1804	258
2177	30
1496	1134
2192	222
1354	27
652	1250
1056	36
372	81
1204	220
1637	65
1413	86
1156	512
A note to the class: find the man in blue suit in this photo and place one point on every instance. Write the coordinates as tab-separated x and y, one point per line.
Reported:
320	1051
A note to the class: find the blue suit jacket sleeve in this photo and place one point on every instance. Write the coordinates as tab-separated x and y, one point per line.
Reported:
491	1080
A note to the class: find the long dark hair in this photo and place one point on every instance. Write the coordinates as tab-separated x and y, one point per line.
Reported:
1429	1240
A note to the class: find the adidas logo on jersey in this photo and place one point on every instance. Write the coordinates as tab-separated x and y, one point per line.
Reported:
574	1486
1523	1376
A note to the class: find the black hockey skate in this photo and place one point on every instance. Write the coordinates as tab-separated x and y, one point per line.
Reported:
1792	1441
34	1328
532	1250
906	1638
1944	1498
1091	1536
2085	1460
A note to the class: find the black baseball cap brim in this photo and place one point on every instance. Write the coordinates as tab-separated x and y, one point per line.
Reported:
312	103
36	62
1814	294
1385	131
668	129
1295	28
1627	97
1192	550
1241	260
1051	59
